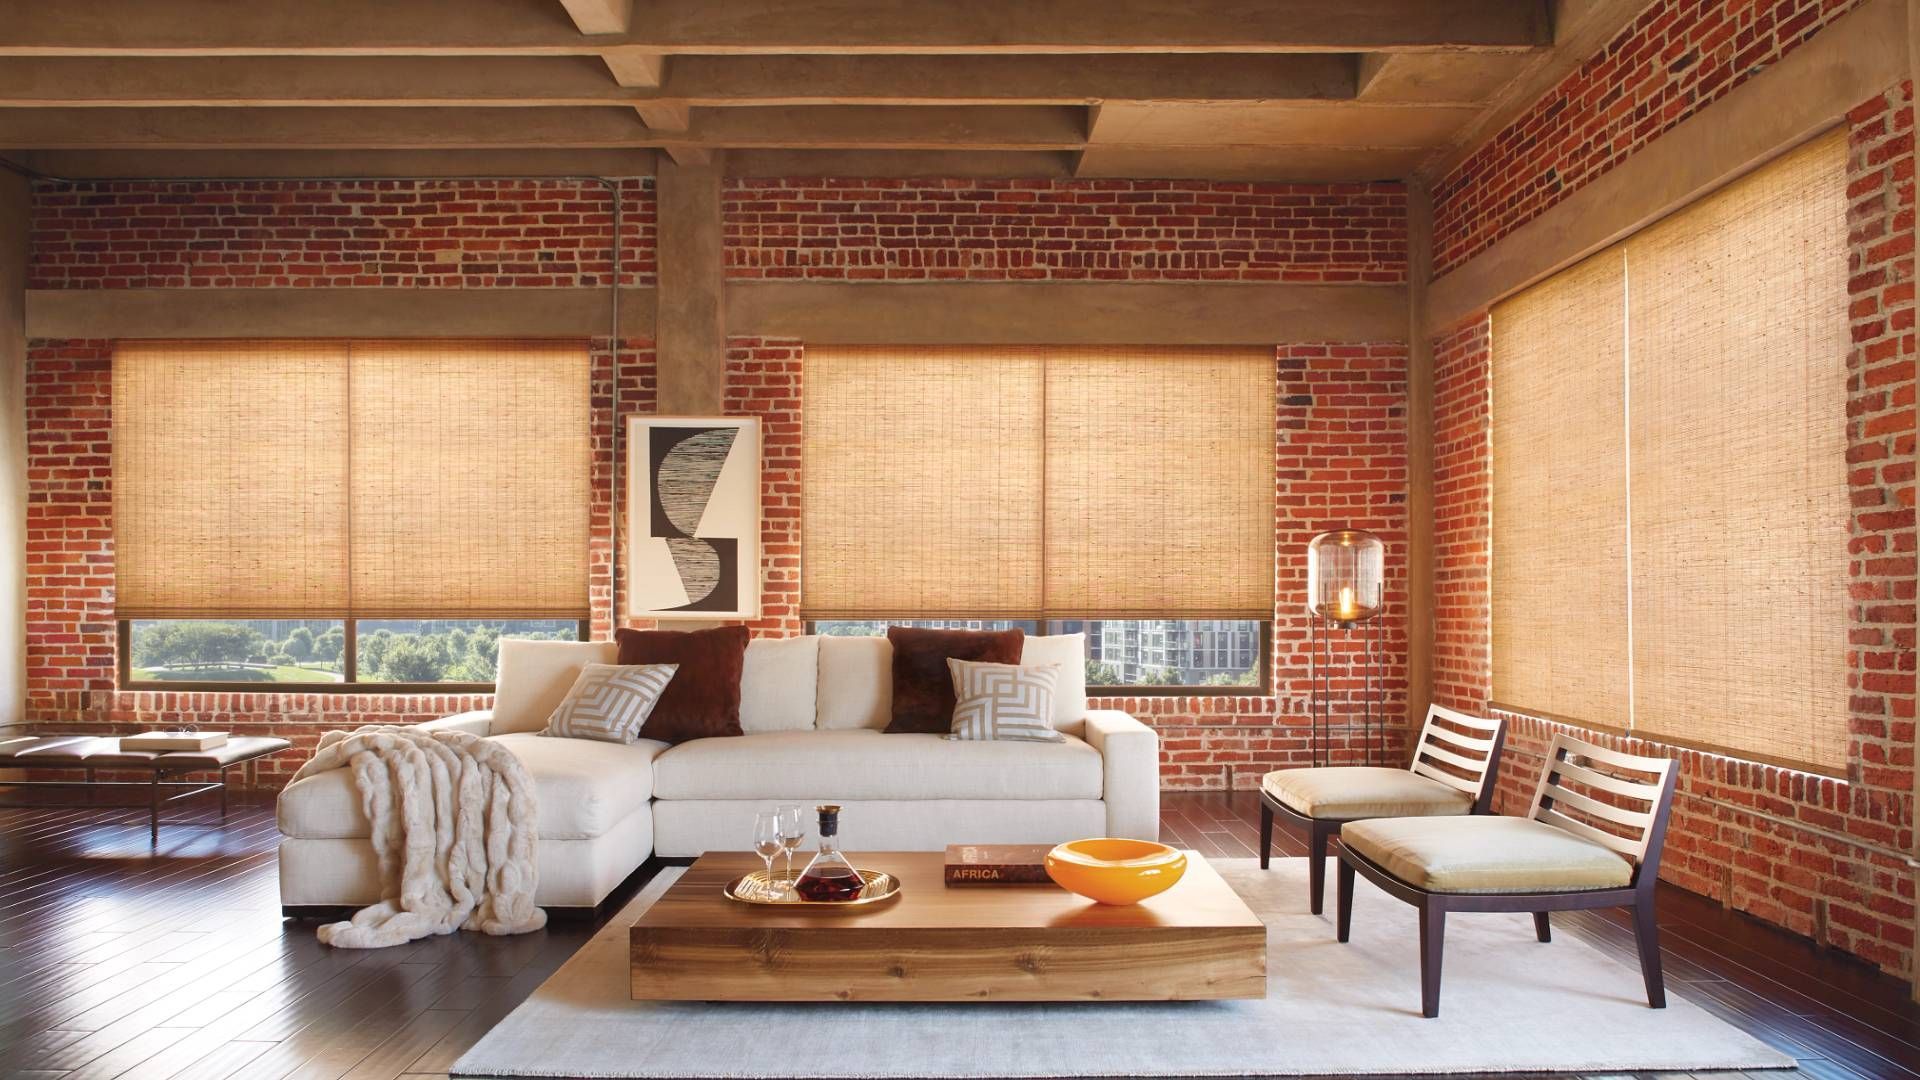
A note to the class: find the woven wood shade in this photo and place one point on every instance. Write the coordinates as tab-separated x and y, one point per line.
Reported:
470	488
1159	498
1560	645
230	478
971	482
923	474
1738	351
285	479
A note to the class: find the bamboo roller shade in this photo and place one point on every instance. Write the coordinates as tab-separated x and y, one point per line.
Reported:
1738	347
977	482
318	478
1670	501
1560	497
230	478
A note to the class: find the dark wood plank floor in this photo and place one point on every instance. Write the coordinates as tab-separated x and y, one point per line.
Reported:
120	960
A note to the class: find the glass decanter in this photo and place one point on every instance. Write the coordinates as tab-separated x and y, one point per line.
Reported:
829	877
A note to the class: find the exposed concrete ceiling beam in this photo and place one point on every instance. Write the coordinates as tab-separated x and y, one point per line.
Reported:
600	16
1582	29
642	69
931	128
502	27
666	115
161	164
697	81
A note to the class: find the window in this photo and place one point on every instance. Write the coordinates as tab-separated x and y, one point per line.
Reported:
264	484
236	650
1130	656
1670	540
445	650
1048	486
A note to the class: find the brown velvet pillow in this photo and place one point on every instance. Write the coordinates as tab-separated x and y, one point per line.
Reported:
704	697
922	685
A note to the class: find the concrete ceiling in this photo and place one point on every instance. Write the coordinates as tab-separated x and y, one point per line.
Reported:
1270	89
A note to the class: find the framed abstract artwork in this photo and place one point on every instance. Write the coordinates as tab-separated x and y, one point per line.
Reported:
693	517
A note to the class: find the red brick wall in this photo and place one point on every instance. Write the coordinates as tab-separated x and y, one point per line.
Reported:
1820	856
1340	459
387	233
763	379
1065	230
1341	413
1462	517
1677	57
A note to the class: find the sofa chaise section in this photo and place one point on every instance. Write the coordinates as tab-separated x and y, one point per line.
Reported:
595	825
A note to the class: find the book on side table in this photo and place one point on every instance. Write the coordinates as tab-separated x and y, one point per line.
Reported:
163	742
997	864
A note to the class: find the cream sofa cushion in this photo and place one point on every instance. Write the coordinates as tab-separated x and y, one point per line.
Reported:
534	678
814	765
1070	691
778	684
1486	854
1352	792
585	788
856	683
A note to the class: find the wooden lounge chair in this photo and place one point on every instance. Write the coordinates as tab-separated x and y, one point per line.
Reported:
1592	839
1451	774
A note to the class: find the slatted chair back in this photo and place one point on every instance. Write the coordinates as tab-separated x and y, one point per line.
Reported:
1462	753
1592	792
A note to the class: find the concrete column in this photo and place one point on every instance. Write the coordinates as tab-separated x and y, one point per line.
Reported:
690	324
13	447
690	315
1420	625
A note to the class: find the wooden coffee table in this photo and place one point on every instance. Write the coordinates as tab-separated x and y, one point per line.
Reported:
1195	941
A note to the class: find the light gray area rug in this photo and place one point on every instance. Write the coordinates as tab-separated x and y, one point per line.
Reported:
1509	1004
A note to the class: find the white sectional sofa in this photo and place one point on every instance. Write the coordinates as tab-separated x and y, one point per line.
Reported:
812	709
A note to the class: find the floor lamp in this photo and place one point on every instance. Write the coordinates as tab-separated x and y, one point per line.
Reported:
1346	593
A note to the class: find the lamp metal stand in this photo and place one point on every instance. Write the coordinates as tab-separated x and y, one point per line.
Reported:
1321	634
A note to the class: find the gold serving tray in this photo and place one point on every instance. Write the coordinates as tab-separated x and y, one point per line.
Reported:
770	889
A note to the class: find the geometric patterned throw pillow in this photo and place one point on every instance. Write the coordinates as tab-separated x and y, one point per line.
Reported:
610	702
1004	702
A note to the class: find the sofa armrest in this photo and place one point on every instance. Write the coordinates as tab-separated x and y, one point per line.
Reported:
1130	760
479	722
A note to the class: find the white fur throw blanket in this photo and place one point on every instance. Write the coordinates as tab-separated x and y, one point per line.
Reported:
453	825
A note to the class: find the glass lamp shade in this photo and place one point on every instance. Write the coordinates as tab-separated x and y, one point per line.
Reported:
1346	575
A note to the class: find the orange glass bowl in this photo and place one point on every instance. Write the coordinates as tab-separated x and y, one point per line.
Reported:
1115	871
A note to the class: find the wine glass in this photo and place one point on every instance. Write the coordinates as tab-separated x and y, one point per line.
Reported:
767	841
791	832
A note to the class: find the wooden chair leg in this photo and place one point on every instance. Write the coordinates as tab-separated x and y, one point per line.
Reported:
1646	936
1343	902
1316	869
1433	932
1266	834
1542	928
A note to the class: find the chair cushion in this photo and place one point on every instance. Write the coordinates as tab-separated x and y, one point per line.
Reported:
866	765
1487	854
1352	792
585	788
